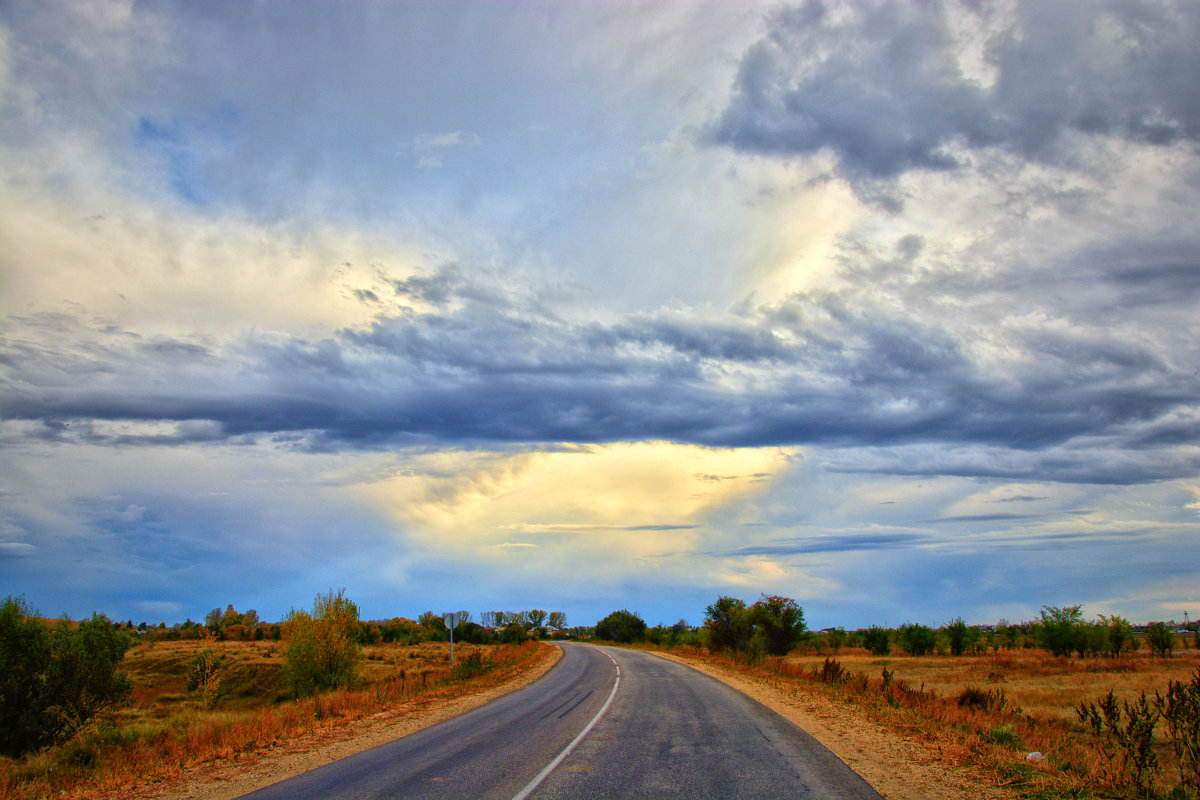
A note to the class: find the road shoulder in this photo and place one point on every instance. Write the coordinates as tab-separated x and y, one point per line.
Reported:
897	768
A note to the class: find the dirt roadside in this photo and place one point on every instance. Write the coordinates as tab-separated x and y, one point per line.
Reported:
225	780
897	768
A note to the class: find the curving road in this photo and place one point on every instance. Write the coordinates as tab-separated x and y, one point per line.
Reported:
603	723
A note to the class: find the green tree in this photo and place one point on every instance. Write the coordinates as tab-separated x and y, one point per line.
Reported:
916	639
778	623
322	649
557	620
1120	635
1061	629
877	640
536	618
621	626
726	626
1161	639
958	636
53	681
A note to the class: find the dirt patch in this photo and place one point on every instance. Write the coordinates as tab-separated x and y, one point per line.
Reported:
898	768
228	779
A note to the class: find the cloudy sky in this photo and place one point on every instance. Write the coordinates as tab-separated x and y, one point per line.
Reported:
889	308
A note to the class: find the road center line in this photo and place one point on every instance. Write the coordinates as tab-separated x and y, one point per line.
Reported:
541	776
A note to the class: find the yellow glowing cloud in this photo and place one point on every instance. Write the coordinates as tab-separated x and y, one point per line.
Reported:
643	499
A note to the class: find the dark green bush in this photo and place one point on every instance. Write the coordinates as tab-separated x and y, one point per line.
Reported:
877	640
621	626
54	680
915	639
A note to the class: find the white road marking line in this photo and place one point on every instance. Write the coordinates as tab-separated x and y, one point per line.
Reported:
541	776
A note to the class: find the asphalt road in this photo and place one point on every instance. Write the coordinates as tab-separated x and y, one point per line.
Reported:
603	723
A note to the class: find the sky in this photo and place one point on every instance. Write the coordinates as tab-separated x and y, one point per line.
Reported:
887	307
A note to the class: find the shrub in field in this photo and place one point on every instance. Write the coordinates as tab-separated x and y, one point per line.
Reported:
1161	639
958	635
915	639
621	626
832	671
877	640
322	649
1180	711
52	681
1126	734
204	676
835	638
1120	635
1060	629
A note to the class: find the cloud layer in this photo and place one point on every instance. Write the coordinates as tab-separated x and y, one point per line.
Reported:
880	305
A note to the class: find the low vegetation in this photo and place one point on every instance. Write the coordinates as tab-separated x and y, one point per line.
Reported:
1053	708
144	709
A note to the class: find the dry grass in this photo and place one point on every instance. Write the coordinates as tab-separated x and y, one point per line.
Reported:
1023	701
1043	686
167	728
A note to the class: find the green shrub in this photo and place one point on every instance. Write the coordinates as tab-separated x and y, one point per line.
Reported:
916	640
53	681
877	640
778	623
204	676
1161	639
621	626
470	666
726	625
322	649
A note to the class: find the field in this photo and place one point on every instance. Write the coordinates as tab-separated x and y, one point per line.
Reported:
1039	684
986	713
168	728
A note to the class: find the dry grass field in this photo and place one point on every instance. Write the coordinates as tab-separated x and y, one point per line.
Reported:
986	713
1041	685
168	728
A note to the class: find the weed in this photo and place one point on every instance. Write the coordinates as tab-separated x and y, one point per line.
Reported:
1180	711
832	672
1002	735
1126	731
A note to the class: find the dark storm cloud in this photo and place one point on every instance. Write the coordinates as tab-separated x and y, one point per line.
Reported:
882	85
491	367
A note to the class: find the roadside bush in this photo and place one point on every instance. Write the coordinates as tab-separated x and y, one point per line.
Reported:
470	666
53	681
726	625
322	650
778	623
621	626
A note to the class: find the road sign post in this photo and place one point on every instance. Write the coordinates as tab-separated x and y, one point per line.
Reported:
451	619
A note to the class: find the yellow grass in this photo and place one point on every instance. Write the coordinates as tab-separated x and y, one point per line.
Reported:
1042	685
1040	695
167	728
